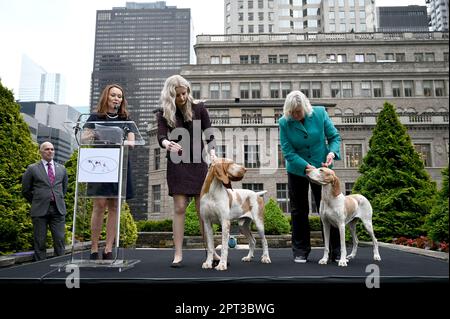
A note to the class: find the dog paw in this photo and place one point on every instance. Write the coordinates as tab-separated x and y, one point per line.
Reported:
207	265
377	257
323	261
342	263
265	260
247	258
221	266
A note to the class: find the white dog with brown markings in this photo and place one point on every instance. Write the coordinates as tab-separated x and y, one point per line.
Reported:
219	203
339	210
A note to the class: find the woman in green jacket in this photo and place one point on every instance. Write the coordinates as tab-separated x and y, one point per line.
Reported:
308	140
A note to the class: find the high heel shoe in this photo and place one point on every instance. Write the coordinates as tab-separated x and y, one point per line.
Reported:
177	265
93	256
107	256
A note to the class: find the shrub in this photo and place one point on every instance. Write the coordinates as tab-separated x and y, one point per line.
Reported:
128	228
154	225
191	223
275	223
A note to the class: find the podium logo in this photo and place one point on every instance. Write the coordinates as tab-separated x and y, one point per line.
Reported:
99	165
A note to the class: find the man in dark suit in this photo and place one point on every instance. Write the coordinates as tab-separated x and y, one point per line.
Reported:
44	185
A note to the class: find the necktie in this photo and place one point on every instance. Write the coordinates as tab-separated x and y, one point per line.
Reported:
51	174
51	177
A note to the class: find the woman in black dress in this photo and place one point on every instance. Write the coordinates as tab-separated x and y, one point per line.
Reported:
112	107
181	122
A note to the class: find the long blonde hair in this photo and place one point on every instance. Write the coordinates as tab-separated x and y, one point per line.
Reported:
167	100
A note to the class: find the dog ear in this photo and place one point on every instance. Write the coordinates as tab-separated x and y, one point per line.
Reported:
221	173
336	185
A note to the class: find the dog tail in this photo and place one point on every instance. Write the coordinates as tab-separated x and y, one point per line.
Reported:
261	193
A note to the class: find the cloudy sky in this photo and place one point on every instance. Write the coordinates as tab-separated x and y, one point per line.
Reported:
59	36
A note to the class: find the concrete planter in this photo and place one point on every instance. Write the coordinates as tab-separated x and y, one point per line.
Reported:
164	240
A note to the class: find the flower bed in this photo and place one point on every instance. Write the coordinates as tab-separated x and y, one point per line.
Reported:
422	242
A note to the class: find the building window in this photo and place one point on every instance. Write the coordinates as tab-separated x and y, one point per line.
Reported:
365	89
312	58
389	56
418	57
424	151
254	59
251	116
439	88
251	29
260	28
156	195
221	151
226	59
196	90
304	88
256	90
274	90
347	89
408	88
427	88
244	90
283	58
215	60
353	155
256	187
335	89
281	160
273	59
377	88
400	57
331	57
240	16
241	4
348	188
301	58
214	90
243	59
445	56
277	113
157	159
226	90
250	16
429	57
396	88
371	57
260	4
342	58
285	89
359	57
283	197
316	89
251	156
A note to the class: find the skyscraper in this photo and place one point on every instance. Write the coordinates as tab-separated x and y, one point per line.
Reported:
402	19
294	16
438	10
138	47
36	84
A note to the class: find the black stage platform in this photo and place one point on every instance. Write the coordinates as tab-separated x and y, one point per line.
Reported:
154	281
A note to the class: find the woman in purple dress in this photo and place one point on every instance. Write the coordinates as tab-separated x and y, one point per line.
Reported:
181	124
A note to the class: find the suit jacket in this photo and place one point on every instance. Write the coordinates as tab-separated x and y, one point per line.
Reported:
36	188
310	142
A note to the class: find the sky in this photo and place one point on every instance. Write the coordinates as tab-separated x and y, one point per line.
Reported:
59	36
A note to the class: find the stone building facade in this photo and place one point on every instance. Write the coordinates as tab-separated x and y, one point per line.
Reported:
245	94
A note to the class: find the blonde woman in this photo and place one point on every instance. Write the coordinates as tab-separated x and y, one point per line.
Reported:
180	120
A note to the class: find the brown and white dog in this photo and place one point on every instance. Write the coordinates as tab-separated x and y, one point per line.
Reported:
219	203
339	210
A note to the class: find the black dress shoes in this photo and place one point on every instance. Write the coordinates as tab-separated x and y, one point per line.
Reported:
93	256
177	265
107	256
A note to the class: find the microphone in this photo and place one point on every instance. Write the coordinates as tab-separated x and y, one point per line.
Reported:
116	108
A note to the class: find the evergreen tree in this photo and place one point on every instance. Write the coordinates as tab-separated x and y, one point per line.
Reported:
437	221
395	181
17	151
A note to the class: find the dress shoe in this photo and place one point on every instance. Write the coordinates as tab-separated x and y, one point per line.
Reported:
107	256
177	265
93	256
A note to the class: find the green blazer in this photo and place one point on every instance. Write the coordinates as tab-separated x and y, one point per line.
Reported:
308	143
